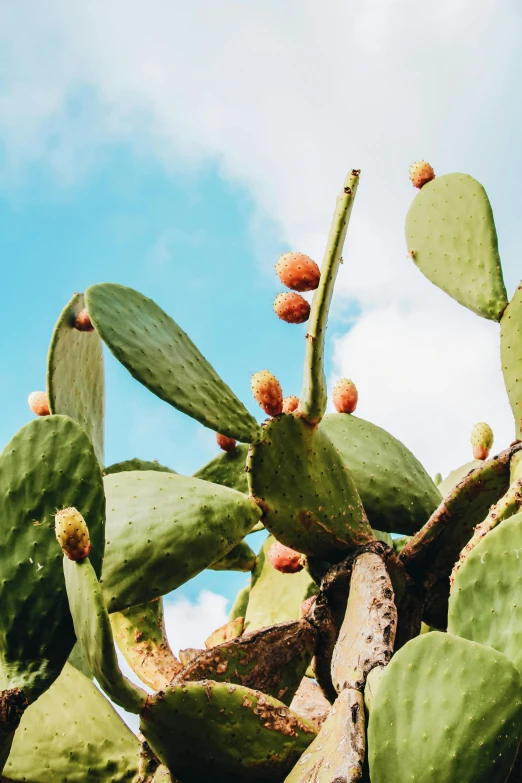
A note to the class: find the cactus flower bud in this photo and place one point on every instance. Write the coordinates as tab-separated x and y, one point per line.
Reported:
72	534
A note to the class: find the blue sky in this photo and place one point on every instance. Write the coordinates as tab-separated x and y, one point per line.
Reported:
180	148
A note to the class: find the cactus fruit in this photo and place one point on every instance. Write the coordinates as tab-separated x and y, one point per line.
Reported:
298	272
72	533
345	396
83	322
421	173
481	440
39	403
284	559
224	443
292	308
290	404
267	392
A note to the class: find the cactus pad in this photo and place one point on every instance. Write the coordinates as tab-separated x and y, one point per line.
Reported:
484	604
272	660
140	635
308	497
241	558
240	605
247	736
75	378
136	464
452	238
396	492
337	753
49	464
456	476
275	597
163	358
511	356
227	469
163	529
445	709
72	733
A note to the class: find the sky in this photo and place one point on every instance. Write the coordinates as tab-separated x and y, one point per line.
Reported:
179	148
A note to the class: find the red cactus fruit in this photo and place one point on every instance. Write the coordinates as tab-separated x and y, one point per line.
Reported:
421	173
345	396
83	322
292	308
267	392
284	559
227	444
481	440
39	403
290	404
298	272
72	533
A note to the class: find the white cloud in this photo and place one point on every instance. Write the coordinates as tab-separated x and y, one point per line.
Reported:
286	97
189	623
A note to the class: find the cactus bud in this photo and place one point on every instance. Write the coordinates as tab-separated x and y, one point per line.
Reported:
290	404
345	396
267	392
284	559
72	534
227	444
421	173
82	322
39	403
298	272
292	308
481	440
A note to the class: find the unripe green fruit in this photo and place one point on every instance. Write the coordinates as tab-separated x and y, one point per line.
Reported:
72	534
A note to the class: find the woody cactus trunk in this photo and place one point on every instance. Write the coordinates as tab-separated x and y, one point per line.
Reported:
354	654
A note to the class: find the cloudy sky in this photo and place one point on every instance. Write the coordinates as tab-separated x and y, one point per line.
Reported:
179	148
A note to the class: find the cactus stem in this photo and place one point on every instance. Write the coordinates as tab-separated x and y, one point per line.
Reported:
313	400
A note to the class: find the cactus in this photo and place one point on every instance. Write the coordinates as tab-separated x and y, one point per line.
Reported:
341	632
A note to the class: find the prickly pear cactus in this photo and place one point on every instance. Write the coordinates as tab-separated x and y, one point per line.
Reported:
330	668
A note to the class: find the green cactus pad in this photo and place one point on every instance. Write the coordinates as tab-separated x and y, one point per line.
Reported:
246	735
93	631
240	558
75	378
456	476
227	469
511	356
163	358
275	597
164	529
337	753
451	235
396	492
272	660
308	497
431	554
136	464
240	605
49	464
140	635
446	709
484	604
73	734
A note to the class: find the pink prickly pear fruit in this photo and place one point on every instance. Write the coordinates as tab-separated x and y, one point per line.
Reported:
39	403
284	559
227	444
292	308
83	322
345	396
267	392
481	440
298	272
72	533
290	404
421	173
307	605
